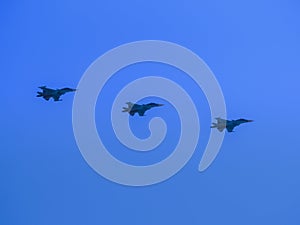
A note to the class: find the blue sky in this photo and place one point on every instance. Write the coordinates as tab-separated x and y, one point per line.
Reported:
252	48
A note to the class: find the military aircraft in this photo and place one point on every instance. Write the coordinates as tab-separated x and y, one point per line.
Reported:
140	109
228	124
53	93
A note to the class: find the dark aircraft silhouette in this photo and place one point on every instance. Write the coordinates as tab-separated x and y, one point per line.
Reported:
140	109
228	124
53	93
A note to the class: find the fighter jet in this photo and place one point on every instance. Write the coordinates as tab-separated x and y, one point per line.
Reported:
228	124
140	109
53	93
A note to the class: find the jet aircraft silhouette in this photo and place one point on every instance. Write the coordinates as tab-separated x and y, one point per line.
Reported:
140	109
228	124
53	93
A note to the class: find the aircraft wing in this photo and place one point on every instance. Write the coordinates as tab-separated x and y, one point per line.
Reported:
220	128
230	128
132	113
141	112
56	98
46	98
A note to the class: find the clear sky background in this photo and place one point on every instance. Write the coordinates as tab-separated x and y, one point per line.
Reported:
251	46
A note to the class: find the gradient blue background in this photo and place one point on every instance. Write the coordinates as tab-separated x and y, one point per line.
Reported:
253	49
